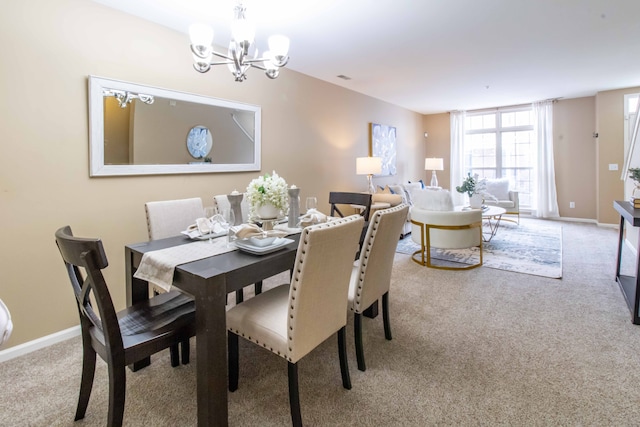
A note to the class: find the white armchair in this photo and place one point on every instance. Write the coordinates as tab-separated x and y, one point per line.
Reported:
498	194
436	224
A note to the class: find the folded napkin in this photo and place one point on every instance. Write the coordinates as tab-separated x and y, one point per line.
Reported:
313	216
246	231
205	226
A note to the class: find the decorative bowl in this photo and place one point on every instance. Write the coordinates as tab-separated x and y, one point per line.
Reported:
262	241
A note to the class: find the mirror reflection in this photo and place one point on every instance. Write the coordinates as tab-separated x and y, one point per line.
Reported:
138	129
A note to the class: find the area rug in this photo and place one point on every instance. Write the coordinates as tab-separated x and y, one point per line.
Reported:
532	247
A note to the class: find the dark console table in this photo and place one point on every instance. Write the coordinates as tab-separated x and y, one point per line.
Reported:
629	285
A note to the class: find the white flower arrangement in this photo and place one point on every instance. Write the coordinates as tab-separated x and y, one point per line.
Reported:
267	189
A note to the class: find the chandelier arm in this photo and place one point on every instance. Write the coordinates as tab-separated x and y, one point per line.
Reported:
222	55
261	67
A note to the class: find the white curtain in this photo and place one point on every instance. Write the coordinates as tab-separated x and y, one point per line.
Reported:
457	155
546	200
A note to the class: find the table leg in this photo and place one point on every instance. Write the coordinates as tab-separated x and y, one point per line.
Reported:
211	351
493	227
136	290
372	311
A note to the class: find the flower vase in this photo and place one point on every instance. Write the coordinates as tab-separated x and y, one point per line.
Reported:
267	211
294	207
475	201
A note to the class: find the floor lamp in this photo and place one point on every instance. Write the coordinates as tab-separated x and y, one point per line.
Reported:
433	164
369	166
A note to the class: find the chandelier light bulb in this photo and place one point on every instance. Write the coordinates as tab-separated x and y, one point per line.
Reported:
201	38
279	45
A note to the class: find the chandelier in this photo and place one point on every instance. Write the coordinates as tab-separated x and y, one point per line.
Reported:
242	54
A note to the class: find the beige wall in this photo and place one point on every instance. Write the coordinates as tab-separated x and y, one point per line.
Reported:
312	132
574	150
438	144
610	149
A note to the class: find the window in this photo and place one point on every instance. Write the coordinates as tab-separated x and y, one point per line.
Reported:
501	144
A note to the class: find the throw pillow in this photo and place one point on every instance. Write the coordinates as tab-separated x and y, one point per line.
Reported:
498	188
392	199
383	190
419	181
397	189
410	188
433	200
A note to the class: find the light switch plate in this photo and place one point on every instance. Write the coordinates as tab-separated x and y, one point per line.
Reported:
613	166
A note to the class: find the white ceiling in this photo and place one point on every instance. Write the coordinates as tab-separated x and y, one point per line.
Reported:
432	56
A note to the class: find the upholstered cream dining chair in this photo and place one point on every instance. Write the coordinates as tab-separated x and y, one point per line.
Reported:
220	202
167	218
292	320
371	275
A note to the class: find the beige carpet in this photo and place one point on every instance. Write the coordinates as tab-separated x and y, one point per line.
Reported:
480	347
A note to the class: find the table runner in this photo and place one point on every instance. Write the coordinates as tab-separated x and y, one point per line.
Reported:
157	267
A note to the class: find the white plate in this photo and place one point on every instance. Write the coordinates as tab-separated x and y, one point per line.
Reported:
279	243
194	236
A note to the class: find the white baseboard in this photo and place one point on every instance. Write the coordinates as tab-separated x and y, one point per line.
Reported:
37	344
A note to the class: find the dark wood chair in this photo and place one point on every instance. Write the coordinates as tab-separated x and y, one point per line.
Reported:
120	338
337	198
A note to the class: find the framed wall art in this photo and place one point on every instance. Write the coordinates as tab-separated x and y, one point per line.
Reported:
382	143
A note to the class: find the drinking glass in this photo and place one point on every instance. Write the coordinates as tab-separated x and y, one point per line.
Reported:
311	203
209	211
229	219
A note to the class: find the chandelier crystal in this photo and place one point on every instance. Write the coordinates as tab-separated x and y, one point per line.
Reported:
242	53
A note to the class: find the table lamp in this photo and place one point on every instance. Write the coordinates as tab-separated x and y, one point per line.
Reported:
433	164
369	166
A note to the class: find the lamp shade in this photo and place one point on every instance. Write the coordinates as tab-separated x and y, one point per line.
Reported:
368	165
433	164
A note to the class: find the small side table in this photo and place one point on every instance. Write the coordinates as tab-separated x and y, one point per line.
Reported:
629	285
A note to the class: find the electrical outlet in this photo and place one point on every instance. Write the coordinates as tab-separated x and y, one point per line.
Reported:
572	205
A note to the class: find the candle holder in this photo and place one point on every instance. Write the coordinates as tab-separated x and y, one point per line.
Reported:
235	199
294	207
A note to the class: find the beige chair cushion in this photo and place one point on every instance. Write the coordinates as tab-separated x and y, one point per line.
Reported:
170	217
371	275
314	306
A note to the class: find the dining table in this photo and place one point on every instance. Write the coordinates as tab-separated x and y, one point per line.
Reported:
208	281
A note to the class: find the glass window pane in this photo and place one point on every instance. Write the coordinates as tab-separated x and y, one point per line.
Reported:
508	119
499	153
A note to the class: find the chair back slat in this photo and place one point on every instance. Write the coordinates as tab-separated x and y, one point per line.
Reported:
84	260
343	198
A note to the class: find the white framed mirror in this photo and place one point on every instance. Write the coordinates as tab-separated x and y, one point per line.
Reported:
144	130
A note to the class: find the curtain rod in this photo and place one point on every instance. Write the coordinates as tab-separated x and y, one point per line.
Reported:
506	107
